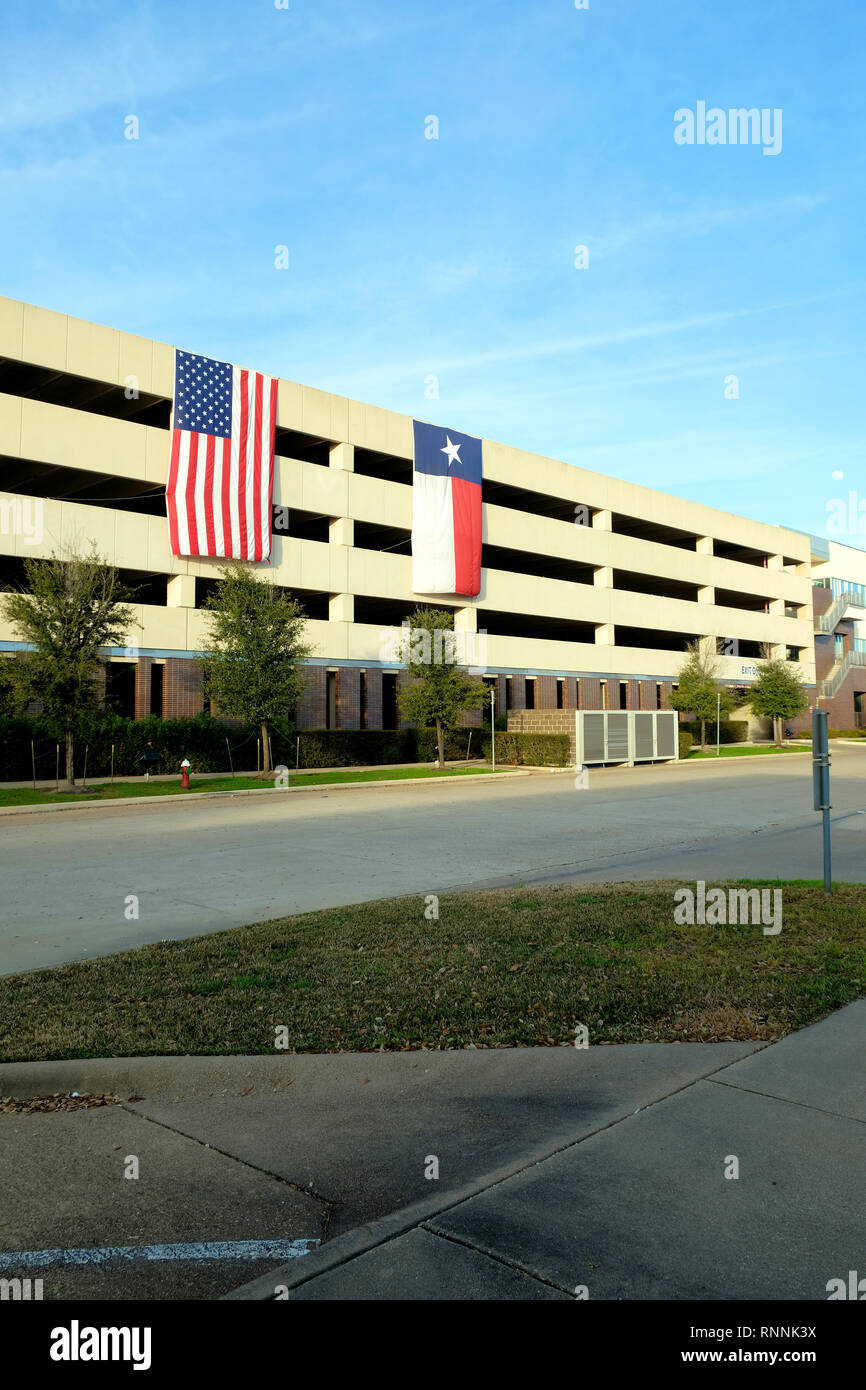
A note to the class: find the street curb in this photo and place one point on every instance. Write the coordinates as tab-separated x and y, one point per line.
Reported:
322	787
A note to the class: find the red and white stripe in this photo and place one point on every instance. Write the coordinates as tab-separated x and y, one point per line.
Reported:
219	490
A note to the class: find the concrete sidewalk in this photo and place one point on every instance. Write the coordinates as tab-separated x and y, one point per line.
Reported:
647	1207
558	1168
290	1147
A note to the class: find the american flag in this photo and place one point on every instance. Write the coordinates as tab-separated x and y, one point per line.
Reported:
221	474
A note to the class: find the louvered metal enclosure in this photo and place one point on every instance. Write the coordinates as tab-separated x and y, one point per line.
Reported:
625	736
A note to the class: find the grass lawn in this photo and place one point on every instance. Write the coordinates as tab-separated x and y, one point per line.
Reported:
512	967
108	791
740	750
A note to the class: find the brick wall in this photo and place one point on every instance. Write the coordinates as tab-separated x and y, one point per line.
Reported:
181	691
348	698
142	686
545	692
517	688
590	693
374	698
312	711
569	692
544	721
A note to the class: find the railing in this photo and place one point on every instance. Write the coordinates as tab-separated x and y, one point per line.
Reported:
828	621
850	661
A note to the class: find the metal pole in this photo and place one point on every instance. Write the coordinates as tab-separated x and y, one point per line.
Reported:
112	762
33	763
493	726
297	752
57	768
718	720
821	786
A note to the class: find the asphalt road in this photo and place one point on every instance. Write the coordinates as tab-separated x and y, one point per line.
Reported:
68	878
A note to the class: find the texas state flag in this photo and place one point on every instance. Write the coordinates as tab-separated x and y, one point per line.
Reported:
446	512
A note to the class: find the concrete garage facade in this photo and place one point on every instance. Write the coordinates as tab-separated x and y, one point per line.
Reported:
591	587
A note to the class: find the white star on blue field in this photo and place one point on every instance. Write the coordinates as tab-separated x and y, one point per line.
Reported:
438	277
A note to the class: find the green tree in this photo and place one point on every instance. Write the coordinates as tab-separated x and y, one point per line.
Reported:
252	668
778	693
74	606
439	689
698	690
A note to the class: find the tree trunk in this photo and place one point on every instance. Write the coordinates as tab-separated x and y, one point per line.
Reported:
266	751
777	728
440	742
70	770
703	735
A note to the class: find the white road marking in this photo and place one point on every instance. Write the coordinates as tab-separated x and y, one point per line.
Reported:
201	1250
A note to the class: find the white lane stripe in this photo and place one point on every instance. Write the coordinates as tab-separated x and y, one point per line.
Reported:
201	1250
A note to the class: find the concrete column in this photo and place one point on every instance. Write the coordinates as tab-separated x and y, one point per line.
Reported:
704	545
341	608
180	591
777	607
706	594
342	456
602	577
775	562
465	619
602	521
604	634
341	531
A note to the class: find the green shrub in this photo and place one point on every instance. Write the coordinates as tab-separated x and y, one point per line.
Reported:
686	741
530	750
845	733
732	730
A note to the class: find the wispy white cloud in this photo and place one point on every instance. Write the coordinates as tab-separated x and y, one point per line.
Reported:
695	221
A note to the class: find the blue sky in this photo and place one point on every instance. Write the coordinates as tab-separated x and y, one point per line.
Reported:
454	258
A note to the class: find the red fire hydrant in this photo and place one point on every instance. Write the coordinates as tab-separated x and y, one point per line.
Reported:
184	771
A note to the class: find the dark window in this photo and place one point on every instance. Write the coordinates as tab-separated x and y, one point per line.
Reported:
156	678
389	700
658	697
530	694
331	700
560	693
623	695
120	688
362	700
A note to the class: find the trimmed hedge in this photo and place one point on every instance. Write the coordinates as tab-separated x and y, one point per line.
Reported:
843	733
530	750
203	741
732	730
686	742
